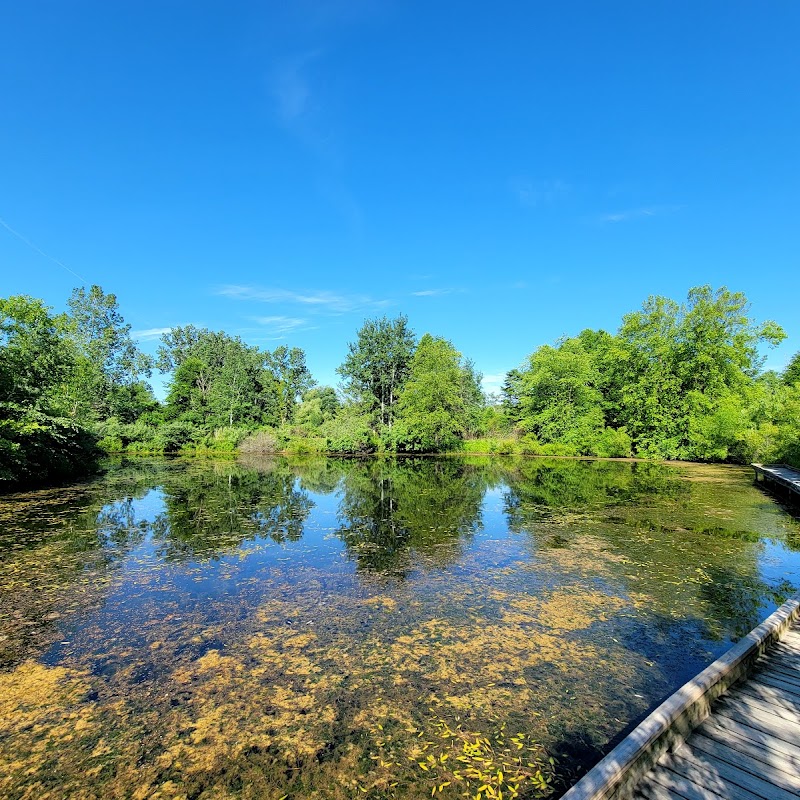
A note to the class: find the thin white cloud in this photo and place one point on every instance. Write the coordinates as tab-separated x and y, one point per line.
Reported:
279	324
149	333
319	301
437	292
538	194
636	213
292	90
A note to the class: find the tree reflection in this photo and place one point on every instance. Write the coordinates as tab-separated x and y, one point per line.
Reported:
209	512
390	508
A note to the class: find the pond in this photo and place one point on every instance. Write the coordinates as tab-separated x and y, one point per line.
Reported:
372	628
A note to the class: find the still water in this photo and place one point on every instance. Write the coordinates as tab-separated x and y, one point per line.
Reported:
364	628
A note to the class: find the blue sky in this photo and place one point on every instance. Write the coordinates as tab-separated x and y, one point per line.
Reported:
503	173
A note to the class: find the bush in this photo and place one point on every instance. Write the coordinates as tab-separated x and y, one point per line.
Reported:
490	446
263	441
349	433
306	445
111	444
613	444
37	448
173	436
223	440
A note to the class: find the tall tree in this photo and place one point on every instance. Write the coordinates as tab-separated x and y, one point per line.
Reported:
377	364
107	355
681	361
791	375
292	378
433	410
36	442
559	399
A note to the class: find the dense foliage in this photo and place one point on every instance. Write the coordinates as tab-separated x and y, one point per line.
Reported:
677	380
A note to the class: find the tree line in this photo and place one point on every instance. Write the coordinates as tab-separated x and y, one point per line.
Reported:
676	380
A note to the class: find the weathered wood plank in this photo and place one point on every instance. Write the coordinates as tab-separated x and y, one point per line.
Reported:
771	757
680	785
731	729
765	677
760	691
785	663
788	646
724	752
733	774
781	668
693	772
650	790
768	727
765	714
777	682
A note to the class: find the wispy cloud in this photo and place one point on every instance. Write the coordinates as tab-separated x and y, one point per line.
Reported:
292	90
632	214
149	333
538	194
316	301
436	292
279	324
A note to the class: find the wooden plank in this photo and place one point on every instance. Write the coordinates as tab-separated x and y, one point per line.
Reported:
769	727
758	691
774	666
724	752
771	757
739	730
650	790
785	663
678	784
789	643
781	667
764	713
783	654
737	776
779	683
700	776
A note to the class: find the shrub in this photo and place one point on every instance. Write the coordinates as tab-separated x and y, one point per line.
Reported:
349	433
613	443
306	445
263	441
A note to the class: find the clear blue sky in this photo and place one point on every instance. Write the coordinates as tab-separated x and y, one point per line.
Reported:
503	173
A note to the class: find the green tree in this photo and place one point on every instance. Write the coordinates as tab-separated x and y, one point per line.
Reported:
559	400
432	408
37	443
291	376
218	380
107	357
377	365
680	362
791	375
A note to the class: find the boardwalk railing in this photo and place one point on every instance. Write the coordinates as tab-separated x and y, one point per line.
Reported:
668	727
779	476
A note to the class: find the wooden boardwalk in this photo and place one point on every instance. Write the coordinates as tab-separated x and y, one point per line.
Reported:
779	476
733	731
749	747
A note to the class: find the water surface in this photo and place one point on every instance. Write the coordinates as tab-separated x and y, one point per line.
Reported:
364	628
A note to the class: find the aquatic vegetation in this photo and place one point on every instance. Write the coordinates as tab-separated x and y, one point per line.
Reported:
337	630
